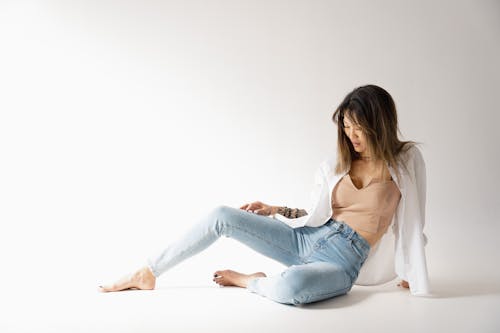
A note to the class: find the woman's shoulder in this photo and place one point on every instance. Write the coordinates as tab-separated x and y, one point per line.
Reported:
326	167
411	162
411	152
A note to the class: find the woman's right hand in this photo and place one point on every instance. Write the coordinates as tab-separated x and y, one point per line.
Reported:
258	207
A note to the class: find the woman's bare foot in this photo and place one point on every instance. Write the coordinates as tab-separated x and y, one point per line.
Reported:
232	278
142	279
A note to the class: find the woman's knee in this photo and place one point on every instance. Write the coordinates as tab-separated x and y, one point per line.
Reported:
220	216
222	210
301	286
294	285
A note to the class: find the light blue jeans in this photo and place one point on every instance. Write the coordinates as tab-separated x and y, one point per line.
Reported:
322	262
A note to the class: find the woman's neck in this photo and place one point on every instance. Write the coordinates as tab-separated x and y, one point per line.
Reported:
367	158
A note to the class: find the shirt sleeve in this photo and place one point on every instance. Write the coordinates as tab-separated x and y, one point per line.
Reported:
421	185
410	241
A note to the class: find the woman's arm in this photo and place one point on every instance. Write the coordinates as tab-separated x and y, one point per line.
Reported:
261	208
409	236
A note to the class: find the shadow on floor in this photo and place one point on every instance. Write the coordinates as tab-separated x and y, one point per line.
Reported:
448	288
442	288
353	297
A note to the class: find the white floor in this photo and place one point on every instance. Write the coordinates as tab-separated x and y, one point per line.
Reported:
465	304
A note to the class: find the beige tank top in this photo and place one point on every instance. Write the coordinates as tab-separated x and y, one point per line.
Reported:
370	208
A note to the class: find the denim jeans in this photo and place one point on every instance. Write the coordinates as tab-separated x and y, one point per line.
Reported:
322	262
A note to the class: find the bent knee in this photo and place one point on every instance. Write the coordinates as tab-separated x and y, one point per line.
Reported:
221	210
294	288
302	287
296	296
289	294
221	215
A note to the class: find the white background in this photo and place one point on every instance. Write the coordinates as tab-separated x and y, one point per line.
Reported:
122	123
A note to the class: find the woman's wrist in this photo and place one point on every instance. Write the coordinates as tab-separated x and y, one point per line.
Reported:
283	210
290	213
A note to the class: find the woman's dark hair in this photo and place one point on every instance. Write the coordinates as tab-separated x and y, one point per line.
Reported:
372	109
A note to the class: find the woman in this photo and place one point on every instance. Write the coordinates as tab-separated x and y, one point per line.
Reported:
375	182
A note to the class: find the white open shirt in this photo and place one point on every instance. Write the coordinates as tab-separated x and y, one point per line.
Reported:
398	253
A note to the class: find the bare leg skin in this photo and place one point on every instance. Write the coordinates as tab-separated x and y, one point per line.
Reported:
232	278
141	279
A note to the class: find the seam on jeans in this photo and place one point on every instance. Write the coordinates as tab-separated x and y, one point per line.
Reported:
326	238
181	253
356	250
274	245
362	244
362	248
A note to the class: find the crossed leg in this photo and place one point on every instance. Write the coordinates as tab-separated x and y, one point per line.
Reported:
261	233
301	282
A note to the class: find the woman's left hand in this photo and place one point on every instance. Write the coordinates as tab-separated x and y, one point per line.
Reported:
404	284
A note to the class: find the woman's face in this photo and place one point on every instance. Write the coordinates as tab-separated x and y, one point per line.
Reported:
355	134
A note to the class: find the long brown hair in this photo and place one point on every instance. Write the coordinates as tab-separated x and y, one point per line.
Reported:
373	109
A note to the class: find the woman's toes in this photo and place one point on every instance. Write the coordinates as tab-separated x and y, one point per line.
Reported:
218	278
121	284
230	278
111	287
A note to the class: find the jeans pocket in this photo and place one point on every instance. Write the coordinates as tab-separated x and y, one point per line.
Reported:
332	234
356	249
